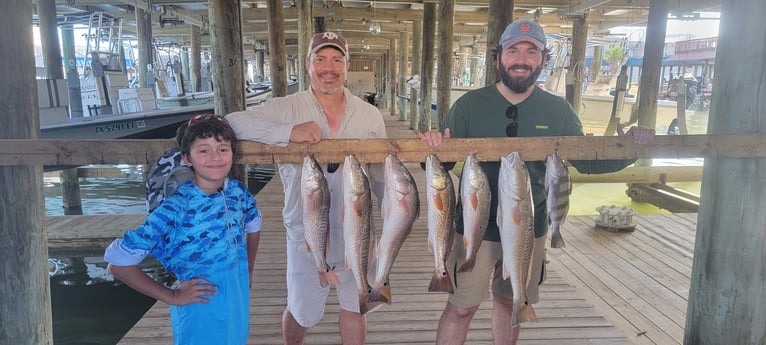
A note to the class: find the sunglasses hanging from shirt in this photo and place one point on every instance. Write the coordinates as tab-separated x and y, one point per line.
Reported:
512	113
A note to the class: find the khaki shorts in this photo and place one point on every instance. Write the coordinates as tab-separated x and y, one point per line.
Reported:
306	299
471	287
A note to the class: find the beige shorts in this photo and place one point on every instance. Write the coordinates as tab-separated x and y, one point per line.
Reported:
471	287
306	299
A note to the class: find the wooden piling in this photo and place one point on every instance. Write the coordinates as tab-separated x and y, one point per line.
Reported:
228	71
444	79
427	65
500	15
417	39
195	60
277	50
144	34
404	44
727	298
25	305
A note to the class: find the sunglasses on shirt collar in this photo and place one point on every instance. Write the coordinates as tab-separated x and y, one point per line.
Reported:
512	113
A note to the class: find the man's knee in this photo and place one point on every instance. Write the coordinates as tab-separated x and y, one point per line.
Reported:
457	312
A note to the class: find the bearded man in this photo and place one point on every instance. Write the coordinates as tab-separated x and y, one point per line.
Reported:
510	107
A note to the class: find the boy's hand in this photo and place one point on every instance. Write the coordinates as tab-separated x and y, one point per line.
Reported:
192	291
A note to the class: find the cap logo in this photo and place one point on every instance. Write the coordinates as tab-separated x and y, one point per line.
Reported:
525	28
330	35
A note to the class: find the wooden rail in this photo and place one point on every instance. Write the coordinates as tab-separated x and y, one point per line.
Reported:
145	151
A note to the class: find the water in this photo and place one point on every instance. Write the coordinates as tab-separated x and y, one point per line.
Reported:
89	306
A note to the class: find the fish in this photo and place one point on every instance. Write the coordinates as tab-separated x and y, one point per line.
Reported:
400	208
357	216
558	187
315	202
440	199
515	219
475	198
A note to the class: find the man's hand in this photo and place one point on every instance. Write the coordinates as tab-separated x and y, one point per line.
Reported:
641	135
307	132
434	138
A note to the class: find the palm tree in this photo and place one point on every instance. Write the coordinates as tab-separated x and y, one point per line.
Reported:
616	56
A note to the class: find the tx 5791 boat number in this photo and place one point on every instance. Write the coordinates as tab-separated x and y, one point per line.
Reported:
120	126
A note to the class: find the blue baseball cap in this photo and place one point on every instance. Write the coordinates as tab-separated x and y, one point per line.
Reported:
523	31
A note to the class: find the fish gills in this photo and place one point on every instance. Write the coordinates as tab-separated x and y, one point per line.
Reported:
558	187
475	198
515	218
357	213
315	199
440	194
399	208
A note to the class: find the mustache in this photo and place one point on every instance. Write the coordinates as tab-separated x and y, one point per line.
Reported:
336	75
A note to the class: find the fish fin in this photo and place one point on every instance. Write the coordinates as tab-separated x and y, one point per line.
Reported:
473	200
363	307
468	265
404	205
557	241
308	246
323	279
357	208
438	202
430	245
441	282
516	214
506	274
332	278
347	264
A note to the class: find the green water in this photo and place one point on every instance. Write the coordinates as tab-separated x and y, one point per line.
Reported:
587	196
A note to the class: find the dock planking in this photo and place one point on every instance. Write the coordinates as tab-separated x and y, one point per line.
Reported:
603	288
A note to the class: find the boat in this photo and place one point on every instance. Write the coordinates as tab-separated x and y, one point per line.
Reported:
153	124
199	98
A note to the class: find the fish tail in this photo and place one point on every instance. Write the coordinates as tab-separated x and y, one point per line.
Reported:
332	278
323	279
380	294
526	314
441	282
556	240
468	265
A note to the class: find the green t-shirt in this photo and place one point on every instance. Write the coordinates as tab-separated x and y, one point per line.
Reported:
480	113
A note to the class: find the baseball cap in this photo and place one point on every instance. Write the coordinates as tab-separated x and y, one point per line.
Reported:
328	39
523	31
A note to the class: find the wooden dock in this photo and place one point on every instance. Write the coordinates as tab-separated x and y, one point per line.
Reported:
603	288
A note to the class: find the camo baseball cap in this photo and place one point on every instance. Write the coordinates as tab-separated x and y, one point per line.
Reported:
328	39
523	31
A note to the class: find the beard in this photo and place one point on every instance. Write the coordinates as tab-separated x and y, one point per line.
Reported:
519	85
328	90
